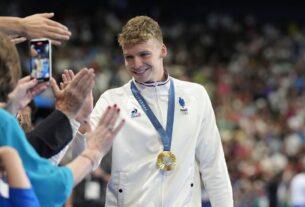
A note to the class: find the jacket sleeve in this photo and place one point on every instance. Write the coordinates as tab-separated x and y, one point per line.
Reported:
210	156
51	135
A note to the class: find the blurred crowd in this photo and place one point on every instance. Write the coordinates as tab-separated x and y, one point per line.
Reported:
254	73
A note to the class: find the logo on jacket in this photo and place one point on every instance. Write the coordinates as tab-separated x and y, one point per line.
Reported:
183	108
135	113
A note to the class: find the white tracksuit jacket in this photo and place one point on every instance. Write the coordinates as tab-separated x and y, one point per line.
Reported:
136	181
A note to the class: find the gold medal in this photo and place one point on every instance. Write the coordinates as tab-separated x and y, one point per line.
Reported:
166	161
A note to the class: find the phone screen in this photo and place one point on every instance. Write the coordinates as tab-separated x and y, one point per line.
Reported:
40	63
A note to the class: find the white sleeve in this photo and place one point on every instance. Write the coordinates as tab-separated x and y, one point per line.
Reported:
78	144
210	156
55	159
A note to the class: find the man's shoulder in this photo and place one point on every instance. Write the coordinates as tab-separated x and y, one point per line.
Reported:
188	86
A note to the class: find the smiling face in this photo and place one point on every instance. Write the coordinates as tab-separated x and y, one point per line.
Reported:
144	61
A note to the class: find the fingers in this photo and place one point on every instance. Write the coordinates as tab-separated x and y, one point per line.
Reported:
51	22
46	15
67	76
64	77
83	82
114	117
58	25
62	85
29	84
36	90
109	119
119	127
57	31
54	86
18	40
24	79
55	42
104	116
71	74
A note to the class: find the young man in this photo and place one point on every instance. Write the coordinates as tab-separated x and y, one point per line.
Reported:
170	137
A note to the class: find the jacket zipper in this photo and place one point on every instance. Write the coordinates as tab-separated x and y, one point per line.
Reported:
159	111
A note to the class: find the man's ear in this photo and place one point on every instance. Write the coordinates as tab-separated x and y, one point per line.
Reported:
163	51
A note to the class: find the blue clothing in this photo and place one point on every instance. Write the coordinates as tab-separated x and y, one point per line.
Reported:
52	184
20	198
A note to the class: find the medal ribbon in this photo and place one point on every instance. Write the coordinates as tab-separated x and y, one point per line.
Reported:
166	136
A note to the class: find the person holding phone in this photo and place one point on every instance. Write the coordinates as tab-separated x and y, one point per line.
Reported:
170	141
54	133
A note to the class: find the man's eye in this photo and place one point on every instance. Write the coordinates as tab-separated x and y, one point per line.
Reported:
128	57
144	54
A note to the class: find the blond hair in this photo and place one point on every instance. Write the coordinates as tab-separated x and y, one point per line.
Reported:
139	29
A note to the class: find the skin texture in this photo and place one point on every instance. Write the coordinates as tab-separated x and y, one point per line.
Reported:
71	98
11	165
34	26
83	115
144	61
23	93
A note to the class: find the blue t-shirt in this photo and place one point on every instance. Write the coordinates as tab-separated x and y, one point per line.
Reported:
20	197
51	184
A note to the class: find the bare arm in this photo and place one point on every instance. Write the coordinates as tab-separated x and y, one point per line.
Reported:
13	167
99	143
35	26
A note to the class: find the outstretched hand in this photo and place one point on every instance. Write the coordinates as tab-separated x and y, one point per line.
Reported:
71	98
83	115
101	139
40	25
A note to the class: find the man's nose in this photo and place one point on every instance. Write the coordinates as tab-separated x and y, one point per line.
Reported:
137	62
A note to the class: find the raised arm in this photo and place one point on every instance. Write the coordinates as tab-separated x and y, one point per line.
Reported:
99	143
35	26
55	132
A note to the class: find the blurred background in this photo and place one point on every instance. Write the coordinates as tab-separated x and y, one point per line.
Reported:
249	55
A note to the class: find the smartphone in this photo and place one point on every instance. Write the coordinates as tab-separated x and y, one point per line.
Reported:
41	59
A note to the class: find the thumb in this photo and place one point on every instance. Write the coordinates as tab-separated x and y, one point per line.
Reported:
54	86
28	84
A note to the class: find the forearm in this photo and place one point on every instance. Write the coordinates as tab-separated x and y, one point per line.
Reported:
11	25
16	175
84	164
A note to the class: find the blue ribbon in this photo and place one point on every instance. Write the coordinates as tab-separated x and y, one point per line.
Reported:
166	136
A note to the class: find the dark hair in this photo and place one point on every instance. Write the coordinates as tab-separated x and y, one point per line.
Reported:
9	67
